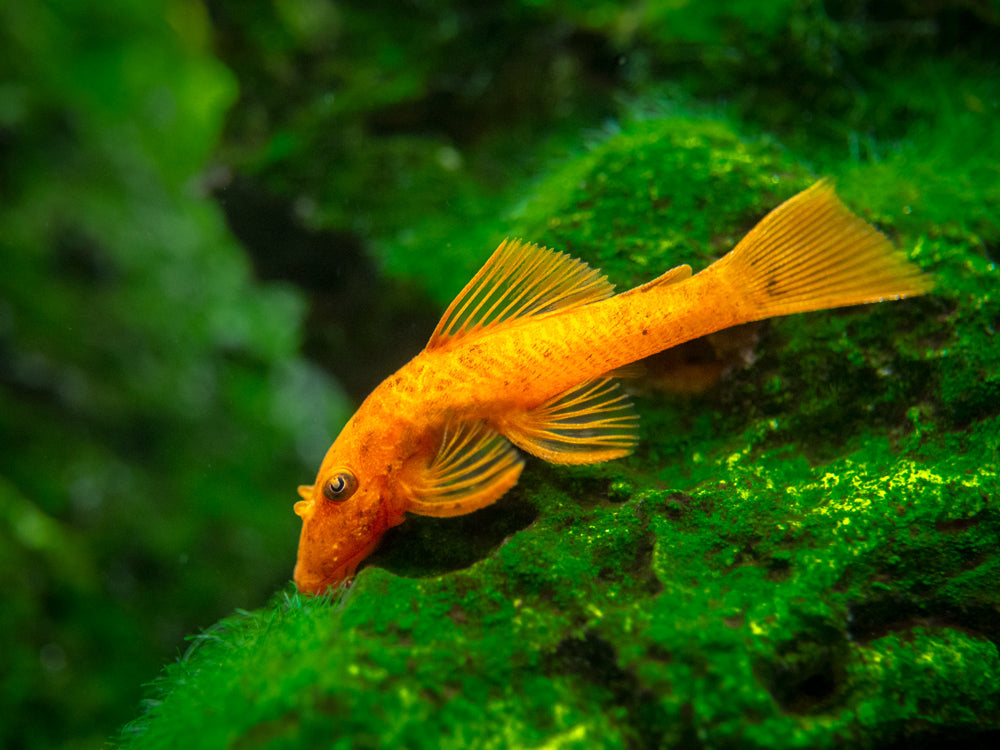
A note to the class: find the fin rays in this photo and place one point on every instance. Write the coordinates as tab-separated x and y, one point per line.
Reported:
812	253
518	280
475	464
589	423
473	467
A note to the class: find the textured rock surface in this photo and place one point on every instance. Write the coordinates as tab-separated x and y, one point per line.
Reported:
224	221
805	555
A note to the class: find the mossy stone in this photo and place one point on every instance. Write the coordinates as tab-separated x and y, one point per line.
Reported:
811	565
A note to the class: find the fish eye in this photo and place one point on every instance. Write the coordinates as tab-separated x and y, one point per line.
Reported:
340	486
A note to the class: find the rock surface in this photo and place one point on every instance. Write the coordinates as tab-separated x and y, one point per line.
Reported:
805	555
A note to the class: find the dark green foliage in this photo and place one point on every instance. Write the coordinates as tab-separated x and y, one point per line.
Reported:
151	396
803	555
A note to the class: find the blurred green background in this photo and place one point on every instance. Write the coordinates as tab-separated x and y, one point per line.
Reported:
223	222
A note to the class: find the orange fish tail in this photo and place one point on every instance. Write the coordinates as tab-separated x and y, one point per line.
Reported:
812	253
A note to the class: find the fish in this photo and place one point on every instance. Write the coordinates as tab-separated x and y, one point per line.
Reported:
525	359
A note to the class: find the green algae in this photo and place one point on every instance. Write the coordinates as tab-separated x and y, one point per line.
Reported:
657	193
803	556
753	625
155	411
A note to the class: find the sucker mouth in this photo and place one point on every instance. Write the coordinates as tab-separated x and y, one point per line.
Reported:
318	584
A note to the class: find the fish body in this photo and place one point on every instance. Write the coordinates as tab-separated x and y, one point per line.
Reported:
525	357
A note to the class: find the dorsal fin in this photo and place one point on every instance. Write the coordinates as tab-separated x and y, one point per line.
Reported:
520	279
473	467
673	276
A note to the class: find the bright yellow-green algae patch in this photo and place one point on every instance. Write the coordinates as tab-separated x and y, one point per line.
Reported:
742	628
719	615
806	556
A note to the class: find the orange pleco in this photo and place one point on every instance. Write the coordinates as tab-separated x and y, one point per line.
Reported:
524	359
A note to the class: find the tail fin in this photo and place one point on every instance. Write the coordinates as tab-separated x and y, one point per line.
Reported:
812	253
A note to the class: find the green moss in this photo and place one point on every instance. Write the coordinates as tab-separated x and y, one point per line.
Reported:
755	574
754	623
420	692
656	194
804	555
755	606
939	677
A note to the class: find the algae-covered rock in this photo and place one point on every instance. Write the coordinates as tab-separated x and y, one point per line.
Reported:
806	555
786	550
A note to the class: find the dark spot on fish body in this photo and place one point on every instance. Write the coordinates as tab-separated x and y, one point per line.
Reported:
770	288
472	354
645	331
400	384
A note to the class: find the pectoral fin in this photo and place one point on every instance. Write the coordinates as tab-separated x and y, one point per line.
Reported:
473	468
589	423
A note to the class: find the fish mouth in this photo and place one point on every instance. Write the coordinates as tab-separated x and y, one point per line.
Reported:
316	584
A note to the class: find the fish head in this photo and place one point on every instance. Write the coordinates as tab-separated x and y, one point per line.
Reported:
343	519
354	499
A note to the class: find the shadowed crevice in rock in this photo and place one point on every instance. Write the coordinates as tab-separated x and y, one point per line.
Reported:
424	546
807	674
593	660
